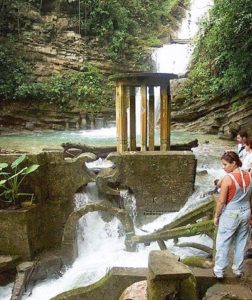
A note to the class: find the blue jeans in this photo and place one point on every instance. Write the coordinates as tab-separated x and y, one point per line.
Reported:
232	224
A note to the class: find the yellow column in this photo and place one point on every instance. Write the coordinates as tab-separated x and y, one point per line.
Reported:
143	117
121	118
164	118
169	117
132	113
151	118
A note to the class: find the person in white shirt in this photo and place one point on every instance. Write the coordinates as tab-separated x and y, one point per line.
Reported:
247	157
241	137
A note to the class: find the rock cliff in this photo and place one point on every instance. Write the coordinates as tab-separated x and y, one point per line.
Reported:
224	117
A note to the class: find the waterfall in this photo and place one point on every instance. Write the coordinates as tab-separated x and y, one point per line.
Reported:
174	58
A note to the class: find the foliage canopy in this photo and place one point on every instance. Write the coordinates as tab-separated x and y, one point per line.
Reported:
221	64
124	28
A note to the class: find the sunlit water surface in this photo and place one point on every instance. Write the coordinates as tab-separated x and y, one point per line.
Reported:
37	141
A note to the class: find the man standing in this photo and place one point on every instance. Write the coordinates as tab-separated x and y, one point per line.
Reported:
241	138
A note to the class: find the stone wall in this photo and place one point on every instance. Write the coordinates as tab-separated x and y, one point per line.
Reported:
26	232
160	181
30	116
19	232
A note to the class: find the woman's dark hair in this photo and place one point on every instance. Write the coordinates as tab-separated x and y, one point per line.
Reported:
249	143
231	156
243	134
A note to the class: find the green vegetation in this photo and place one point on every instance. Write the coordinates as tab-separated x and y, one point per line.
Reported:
85	87
12	177
14	71
221	64
121	23
125	30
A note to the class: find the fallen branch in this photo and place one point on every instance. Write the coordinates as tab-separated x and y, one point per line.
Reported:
104	151
192	216
197	246
183	231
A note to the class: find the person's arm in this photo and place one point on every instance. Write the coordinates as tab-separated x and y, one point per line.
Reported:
251	210
225	183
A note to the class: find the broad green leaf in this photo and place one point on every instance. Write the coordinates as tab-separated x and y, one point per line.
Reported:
30	169
7	192
18	173
18	161
2	182
4	173
3	166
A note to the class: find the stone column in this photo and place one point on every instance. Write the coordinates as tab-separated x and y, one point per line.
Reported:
168	278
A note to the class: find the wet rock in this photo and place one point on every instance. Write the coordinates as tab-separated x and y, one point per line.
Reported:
228	291
136	291
8	262
47	264
202	172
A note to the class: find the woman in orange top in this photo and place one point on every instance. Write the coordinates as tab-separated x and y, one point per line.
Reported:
233	214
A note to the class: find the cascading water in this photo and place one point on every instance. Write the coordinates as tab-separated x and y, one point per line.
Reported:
174	58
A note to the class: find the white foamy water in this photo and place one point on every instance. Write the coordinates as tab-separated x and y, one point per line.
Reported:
5	292
174	58
100	164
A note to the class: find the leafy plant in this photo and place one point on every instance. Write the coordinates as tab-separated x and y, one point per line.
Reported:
221	64
12	178
14	71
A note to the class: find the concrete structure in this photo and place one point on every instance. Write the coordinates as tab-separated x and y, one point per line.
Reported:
109	287
168	278
69	240
28	231
161	181
126	85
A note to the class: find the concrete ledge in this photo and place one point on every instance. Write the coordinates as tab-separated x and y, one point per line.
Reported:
170	267
110	287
